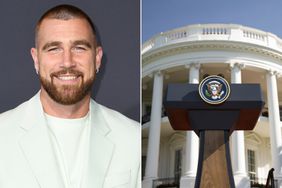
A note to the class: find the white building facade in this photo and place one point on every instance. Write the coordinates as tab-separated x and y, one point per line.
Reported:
187	55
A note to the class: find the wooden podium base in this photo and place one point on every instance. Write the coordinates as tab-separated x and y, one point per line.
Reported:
214	166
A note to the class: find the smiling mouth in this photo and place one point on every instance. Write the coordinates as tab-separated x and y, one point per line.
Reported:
67	77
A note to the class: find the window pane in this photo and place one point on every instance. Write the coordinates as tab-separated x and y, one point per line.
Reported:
251	165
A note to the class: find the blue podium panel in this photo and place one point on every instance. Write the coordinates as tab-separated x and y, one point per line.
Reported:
187	111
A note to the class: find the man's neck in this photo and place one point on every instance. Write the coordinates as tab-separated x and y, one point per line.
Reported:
73	111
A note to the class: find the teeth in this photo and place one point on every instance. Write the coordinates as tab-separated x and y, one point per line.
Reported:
67	77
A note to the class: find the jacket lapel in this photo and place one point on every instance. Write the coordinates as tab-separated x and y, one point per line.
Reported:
37	148
101	148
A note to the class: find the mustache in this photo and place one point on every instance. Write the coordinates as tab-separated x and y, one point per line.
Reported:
66	71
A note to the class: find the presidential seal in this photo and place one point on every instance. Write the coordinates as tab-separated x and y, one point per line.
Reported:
214	89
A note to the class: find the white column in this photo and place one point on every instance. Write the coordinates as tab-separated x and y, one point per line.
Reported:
238	143
151	171
274	125
192	141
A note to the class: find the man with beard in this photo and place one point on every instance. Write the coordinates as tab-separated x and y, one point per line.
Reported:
61	138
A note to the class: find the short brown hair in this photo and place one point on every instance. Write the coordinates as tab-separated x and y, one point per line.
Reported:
65	12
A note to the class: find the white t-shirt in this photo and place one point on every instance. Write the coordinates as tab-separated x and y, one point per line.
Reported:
70	139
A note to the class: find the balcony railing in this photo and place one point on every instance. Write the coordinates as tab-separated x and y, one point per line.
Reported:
226	32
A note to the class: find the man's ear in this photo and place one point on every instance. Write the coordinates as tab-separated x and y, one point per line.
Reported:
33	52
99	54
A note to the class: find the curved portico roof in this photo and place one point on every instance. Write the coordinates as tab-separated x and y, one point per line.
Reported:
212	43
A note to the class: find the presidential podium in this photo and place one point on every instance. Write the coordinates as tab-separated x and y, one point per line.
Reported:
213	123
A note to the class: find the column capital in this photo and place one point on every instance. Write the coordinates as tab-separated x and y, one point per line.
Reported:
157	72
195	65
237	65
274	72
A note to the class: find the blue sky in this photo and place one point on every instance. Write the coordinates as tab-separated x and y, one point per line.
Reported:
163	15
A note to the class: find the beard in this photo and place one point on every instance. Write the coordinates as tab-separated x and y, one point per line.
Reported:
67	94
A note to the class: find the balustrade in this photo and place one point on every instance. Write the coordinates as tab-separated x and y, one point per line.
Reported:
225	32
